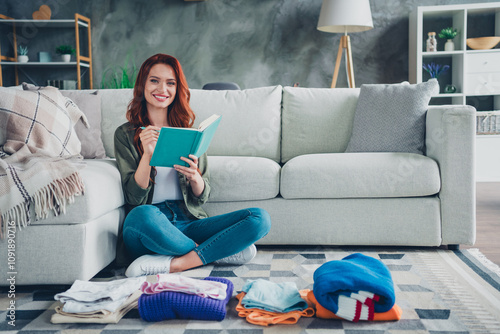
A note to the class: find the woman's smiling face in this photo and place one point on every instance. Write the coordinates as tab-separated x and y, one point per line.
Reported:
160	87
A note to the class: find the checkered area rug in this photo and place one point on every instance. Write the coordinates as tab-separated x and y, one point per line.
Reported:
439	291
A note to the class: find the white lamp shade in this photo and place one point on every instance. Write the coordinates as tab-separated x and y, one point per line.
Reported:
345	16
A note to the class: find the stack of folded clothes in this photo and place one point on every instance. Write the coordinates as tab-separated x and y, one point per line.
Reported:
175	296
97	302
358	287
266	303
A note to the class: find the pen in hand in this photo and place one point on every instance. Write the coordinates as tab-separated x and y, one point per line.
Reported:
143	128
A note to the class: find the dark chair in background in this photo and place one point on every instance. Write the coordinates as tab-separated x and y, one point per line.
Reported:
221	86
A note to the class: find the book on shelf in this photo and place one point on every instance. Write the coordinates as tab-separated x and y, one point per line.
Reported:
174	143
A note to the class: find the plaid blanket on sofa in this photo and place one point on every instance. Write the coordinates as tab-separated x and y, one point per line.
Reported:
41	154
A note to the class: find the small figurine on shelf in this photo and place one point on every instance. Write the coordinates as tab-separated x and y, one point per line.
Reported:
22	54
65	51
431	42
448	34
43	13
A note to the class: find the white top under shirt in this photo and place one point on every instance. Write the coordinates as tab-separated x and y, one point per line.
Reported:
167	187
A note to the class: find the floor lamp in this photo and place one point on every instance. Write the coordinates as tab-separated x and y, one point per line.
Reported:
345	16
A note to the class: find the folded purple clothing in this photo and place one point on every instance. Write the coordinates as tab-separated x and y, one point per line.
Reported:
177	305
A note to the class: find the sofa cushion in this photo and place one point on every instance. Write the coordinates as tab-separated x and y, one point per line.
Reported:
114	103
317	120
251	120
90	103
243	178
103	193
43	120
391	118
359	175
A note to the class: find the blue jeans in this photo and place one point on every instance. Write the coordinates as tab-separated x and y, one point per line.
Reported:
168	228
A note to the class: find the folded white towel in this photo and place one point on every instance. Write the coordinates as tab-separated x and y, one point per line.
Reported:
85	296
96	317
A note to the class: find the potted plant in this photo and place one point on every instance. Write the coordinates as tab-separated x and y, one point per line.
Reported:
22	54
65	51
120	76
448	34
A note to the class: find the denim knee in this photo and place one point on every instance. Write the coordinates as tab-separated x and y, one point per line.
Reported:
261	221
140	214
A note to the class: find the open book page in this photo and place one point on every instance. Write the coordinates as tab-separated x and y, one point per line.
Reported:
203	125
206	136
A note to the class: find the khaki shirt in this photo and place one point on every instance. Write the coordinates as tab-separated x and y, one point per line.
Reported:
127	159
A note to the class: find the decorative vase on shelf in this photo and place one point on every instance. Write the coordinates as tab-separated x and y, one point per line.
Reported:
66	58
22	58
450	89
449	45
44	57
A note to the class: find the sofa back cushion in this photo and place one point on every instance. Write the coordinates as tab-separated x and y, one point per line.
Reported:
391	118
316	120
89	102
250	124
114	104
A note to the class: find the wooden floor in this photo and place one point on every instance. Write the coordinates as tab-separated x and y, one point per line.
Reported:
488	220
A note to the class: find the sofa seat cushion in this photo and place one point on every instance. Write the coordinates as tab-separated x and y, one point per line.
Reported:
103	193
360	175
243	178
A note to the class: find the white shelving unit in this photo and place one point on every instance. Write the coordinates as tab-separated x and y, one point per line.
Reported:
82	61
475	73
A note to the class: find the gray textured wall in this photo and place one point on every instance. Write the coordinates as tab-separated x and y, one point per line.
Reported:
252	42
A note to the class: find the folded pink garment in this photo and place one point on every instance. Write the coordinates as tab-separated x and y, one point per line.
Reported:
192	286
174	305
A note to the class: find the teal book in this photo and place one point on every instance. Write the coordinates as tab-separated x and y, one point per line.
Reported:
174	143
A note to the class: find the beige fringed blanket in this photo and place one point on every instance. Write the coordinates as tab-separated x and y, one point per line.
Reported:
41	154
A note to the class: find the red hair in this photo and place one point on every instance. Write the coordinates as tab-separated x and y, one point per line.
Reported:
179	113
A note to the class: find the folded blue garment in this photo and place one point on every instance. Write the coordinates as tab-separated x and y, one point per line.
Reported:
273	297
177	305
356	272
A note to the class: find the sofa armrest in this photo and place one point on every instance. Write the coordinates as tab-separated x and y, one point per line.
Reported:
450	140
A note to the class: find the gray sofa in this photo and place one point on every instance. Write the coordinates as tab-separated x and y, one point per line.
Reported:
281	149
